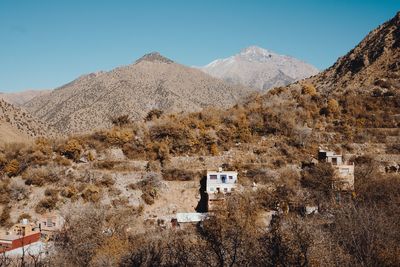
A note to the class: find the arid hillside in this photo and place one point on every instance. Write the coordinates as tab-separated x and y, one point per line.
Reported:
152	82
374	62
17	125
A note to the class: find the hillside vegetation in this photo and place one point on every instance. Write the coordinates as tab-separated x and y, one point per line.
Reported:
117	187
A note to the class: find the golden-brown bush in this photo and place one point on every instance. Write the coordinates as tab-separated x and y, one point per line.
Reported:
69	191
333	106
62	161
72	149
91	193
47	204
308	89
214	149
12	168
119	136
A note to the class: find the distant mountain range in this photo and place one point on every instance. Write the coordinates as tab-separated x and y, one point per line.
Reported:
156	82
259	68
20	98
152	82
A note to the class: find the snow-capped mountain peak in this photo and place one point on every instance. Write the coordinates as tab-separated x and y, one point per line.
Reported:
252	51
259	68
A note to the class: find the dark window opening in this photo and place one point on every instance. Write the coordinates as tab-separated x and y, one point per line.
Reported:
223	178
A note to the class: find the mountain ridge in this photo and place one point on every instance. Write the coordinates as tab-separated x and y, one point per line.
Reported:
151	82
259	68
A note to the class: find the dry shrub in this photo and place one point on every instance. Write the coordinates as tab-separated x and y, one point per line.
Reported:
179	137
62	161
308	89
105	180
214	149
24	216
38	158
121	120
153	166
105	164
43	145
393	149
5	216
119	136
91	193
260	174
51	192
93	235
3	161
181	175
368	234
69	192
72	149
153	114
12	168
47	204
379	190
148	197
149	186
4	191
40	176
18	190
110	251
319	178
135	150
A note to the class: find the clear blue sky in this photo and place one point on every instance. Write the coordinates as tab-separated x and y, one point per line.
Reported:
46	43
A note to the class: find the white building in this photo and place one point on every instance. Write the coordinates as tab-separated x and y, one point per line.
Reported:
221	181
330	156
344	170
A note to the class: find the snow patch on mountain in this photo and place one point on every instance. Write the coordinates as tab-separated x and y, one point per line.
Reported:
259	68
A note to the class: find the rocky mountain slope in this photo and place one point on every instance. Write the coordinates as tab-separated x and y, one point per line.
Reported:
17	125
21	98
259	68
355	101
152	82
374	62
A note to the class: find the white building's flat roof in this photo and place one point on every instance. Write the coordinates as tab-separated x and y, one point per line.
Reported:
223	172
190	217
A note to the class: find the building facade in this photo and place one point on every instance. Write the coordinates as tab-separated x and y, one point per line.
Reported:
344	171
221	182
